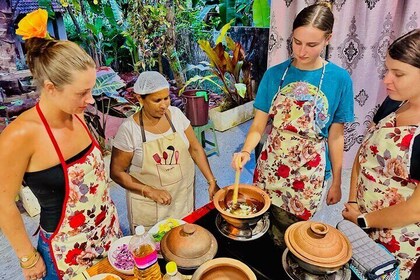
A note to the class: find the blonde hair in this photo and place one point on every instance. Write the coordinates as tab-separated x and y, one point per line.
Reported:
55	60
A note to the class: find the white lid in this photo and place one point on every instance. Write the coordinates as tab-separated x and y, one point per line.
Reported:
140	230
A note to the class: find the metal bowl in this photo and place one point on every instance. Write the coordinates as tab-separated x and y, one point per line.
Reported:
251	195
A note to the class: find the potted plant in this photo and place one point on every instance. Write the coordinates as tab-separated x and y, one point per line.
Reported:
230	71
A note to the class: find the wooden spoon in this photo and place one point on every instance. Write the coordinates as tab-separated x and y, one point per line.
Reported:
236	185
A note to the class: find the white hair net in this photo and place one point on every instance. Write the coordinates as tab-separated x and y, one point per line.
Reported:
150	82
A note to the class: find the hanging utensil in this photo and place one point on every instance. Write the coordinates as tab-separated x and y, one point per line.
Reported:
157	158
171	148
165	156
176	157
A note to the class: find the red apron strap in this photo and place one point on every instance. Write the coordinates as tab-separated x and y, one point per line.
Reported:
47	127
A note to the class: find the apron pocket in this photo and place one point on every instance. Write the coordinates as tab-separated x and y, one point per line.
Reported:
169	174
143	212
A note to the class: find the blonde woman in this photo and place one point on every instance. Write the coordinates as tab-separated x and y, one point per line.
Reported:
51	149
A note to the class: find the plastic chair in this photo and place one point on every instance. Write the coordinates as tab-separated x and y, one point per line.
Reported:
200	133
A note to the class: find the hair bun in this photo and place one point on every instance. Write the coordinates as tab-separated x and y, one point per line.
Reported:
35	47
327	4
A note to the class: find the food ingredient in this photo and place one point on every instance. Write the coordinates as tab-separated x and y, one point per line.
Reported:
164	228
123	258
242	209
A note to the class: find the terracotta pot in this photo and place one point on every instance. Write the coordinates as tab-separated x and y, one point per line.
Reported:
249	193
317	247
224	269
188	245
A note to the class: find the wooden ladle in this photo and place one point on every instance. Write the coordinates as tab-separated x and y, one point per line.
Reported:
234	202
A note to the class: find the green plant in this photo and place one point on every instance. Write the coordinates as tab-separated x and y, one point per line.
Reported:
152	27
241	12
228	66
106	94
99	28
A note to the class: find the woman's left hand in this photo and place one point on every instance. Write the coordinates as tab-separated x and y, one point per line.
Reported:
351	213
334	194
213	188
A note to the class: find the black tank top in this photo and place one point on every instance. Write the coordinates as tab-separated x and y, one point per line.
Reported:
48	186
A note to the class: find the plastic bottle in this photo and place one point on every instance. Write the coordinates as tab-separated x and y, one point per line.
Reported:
172	272
143	249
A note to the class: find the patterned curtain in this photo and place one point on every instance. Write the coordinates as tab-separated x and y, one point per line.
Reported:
362	33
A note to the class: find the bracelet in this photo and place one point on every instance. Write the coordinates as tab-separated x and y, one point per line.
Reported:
243	151
37	256
212	180
352	201
28	258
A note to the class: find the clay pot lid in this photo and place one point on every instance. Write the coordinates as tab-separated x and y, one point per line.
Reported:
188	245
318	244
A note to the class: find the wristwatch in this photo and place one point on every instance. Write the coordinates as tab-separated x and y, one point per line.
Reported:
361	221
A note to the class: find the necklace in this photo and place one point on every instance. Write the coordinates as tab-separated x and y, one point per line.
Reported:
169	137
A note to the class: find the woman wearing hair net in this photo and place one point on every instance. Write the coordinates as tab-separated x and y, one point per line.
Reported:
153	157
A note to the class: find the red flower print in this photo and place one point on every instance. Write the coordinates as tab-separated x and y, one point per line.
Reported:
405	142
112	221
393	245
370	177
71	257
298	185
93	189
305	215
299	103
283	171
278	193
315	161
291	128
77	219
256	175
264	155
100	218
374	150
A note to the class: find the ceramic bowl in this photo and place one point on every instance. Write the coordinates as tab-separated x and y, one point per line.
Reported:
250	194
116	247
224	269
107	276
189	246
317	247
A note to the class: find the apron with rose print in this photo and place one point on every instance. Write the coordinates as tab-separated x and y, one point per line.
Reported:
291	166
89	221
384	180
167	165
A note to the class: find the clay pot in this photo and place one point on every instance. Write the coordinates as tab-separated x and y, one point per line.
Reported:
224	269
188	245
249	193
317	247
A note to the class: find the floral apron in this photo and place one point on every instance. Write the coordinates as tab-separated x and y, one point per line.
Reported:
291	167
89	221
167	165
384	180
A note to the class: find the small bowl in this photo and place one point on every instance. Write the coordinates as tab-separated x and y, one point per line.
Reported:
251	194
114	247
224	269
